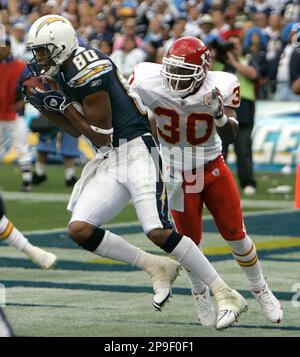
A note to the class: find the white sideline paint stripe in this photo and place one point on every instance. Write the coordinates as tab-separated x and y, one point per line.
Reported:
267	203
62	197
36	197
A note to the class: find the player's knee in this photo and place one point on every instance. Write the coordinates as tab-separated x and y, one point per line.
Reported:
80	231
233	234
159	236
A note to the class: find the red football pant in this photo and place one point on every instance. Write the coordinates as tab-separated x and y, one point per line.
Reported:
221	197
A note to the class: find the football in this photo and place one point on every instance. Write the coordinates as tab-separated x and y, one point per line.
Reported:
36	82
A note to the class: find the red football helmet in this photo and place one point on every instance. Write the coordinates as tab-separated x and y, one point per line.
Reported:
185	65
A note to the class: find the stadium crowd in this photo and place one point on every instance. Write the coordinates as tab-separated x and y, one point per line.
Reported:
132	31
255	39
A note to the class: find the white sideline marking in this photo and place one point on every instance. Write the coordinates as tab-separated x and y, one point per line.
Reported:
36	197
64	197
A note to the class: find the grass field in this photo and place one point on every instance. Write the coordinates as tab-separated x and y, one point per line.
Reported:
89	296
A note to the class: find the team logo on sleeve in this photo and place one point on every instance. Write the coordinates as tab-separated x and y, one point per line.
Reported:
207	99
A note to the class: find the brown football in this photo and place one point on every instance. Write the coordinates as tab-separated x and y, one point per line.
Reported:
36	82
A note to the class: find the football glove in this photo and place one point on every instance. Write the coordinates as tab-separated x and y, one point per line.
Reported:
216	104
52	100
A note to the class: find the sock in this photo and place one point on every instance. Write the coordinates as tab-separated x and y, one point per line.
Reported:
244	252
148	262
39	168
109	245
26	176
198	286
69	173
188	254
10	235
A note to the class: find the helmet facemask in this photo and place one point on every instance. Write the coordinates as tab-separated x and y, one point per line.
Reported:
45	58
181	78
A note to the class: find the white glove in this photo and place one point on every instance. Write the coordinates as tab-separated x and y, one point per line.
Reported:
216	104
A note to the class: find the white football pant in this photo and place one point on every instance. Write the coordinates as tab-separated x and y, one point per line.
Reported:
130	172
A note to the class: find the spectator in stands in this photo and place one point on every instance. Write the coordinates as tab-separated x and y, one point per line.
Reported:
165	11
206	26
284	67
104	46
219	23
193	17
153	39
129	29
18	42
246	69
290	11
255	45
101	29
256	6
177	32
273	33
12	121
145	13
128	56
232	29
261	21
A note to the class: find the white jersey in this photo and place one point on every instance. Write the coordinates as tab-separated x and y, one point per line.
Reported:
187	123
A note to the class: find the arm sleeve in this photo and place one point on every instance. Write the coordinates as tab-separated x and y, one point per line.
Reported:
232	96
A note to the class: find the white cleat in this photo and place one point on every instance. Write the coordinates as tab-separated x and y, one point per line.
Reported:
230	305
205	309
270	305
163	276
40	257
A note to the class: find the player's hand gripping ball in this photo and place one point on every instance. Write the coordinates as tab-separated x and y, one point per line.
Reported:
42	92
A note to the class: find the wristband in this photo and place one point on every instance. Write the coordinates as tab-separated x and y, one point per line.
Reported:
222	121
102	131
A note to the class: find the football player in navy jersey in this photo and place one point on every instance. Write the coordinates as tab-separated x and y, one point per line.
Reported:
94	100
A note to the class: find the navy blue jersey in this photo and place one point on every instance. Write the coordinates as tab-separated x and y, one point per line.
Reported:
91	71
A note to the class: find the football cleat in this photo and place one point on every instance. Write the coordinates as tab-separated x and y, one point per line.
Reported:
230	305
38	179
71	182
40	257
26	186
205	309
163	275
270	305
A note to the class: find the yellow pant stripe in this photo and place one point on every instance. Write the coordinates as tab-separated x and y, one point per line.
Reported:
248	263
7	231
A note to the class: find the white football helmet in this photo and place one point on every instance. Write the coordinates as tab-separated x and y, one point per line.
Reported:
57	35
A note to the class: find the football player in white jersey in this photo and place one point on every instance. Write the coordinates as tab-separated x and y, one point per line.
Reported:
13	237
111	116
194	109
